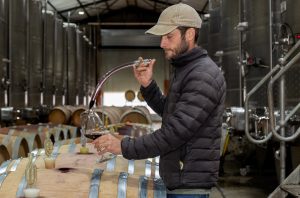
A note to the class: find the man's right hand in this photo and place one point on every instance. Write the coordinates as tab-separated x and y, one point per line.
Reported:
144	72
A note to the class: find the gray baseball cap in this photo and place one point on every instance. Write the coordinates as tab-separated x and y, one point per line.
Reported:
174	16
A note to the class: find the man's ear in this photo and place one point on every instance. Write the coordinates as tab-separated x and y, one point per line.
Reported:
190	34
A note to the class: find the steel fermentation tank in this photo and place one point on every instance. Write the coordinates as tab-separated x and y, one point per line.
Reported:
90	75
257	45
203	34
214	29
49	22
3	49
291	17
59	80
35	52
230	48
18	72
80	68
71	62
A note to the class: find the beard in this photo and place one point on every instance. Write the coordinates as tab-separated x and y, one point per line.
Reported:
180	49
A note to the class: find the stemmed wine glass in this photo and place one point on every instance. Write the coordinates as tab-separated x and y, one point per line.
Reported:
92	127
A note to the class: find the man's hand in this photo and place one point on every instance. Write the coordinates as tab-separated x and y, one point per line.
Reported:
144	72
108	143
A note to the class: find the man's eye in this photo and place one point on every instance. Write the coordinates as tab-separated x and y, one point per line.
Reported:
169	36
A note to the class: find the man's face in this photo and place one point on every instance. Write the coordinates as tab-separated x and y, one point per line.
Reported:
174	44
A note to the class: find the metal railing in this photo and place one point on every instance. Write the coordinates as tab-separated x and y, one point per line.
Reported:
280	68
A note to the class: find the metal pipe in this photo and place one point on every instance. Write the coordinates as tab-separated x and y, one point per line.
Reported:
103	79
282	130
28	60
246	106
56	23
240	56
44	51
271	33
271	103
244	12
10	52
241	27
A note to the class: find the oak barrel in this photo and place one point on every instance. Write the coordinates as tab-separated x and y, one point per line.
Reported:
4	155
75	117
60	114
33	139
109	114
137	114
16	146
129	95
78	175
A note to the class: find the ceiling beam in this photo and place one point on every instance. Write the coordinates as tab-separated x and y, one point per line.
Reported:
83	7
205	5
54	8
162	2
107	5
169	4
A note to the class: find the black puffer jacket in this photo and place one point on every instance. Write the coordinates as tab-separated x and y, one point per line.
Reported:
189	139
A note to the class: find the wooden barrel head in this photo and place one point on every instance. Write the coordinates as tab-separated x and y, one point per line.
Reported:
140	97
17	146
60	115
75	118
4	155
109	115
130	95
23	149
139	114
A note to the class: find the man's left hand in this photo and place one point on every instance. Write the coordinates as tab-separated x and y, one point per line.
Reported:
108	143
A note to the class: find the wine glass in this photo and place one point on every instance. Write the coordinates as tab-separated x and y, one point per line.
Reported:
92	128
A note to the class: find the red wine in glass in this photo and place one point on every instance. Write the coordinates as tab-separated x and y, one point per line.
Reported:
93	136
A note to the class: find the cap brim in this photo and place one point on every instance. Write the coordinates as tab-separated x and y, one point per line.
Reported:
160	30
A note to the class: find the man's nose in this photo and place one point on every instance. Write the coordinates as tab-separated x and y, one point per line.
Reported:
163	42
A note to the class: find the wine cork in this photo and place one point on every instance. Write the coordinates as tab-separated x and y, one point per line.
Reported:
31	192
49	163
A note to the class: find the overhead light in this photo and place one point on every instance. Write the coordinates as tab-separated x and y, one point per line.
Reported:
81	12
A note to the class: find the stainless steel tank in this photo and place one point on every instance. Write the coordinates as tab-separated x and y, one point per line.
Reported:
91	59
291	16
230	48
80	68
3	49
214	29
257	45
35	52
18	53
49	24
90	73
203	34
60	80
71	63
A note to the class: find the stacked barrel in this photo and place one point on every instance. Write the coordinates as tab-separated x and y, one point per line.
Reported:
82	175
108	114
18	141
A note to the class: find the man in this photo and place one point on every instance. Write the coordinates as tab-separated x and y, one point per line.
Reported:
188	141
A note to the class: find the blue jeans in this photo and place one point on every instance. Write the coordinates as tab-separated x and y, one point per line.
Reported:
187	196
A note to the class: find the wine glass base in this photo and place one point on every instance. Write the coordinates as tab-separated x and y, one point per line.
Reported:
106	157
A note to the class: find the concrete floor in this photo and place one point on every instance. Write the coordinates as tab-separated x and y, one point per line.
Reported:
253	185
